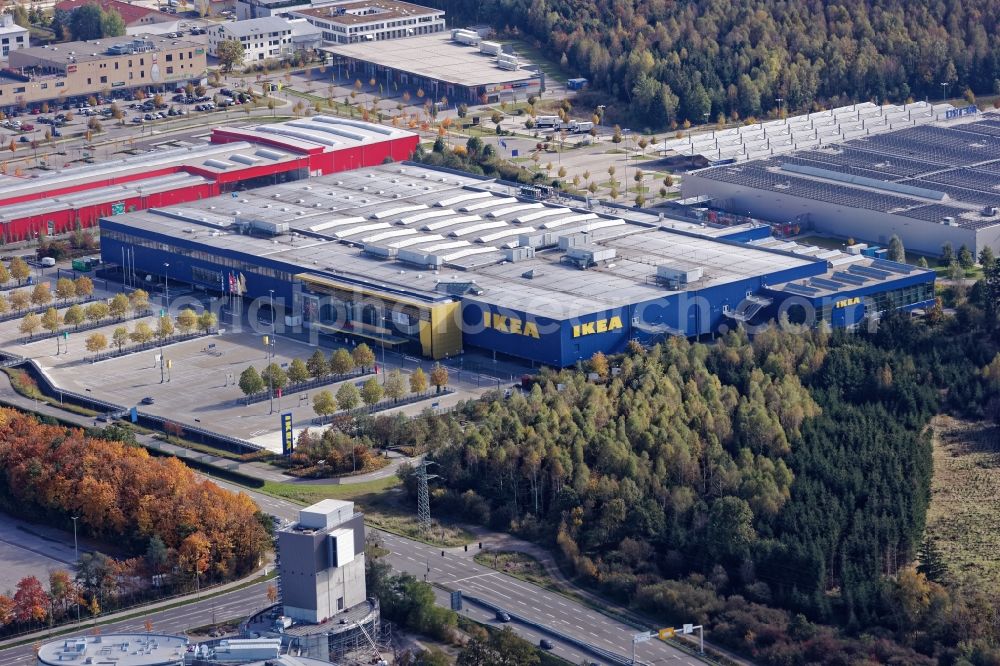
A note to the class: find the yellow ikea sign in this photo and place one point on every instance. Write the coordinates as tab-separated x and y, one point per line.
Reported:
506	324
848	301
599	326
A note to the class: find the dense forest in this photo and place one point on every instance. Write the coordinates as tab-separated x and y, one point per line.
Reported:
671	61
163	520
720	483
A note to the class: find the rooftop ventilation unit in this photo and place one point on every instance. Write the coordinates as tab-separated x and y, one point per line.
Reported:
467	37
678	277
266	226
507	61
587	256
515	254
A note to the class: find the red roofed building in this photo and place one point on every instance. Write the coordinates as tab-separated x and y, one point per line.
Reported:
138	19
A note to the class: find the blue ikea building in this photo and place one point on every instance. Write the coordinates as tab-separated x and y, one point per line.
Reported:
434	262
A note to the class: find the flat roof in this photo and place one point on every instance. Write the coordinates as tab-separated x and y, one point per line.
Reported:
212	158
336	222
97	49
121	649
368	11
320	132
434	56
254	26
936	172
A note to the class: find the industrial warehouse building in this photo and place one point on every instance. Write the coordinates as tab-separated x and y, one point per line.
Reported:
459	66
432	262
238	158
929	175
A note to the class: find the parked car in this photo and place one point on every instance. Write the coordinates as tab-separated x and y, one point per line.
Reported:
28	127
138	120
148	400
24	139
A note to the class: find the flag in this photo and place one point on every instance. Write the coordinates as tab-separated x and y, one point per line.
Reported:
503	144
513	153
232	283
242	285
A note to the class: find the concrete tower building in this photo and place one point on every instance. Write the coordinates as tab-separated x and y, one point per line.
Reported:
322	561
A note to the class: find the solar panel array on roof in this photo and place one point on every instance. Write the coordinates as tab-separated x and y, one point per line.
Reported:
856	280
801	289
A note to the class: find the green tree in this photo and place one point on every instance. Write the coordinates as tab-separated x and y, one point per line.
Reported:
348	396
120	337
74	316
275	376
317	365
41	294
251	382
20	299
947	254
965	257
187	320
142	333
97	311
86	22
19	269
395	385
363	357
138	298
986	259
324	403
112	24
30	325
730	532
297	371
118	307
51	321
896	250
341	362
371	392
931	562
65	289
96	343
207	321
85	287
230	53
418	381
164	328
501	648
21	17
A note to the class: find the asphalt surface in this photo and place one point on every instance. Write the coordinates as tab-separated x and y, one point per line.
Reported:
456	570
175	621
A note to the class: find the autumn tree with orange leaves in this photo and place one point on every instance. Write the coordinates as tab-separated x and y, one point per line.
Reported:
157	508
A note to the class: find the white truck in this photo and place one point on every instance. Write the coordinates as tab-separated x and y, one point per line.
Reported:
547	121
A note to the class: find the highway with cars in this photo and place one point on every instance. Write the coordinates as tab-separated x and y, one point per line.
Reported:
455	569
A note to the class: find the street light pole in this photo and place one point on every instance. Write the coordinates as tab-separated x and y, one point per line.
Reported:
166	284
270	358
76	553
944	90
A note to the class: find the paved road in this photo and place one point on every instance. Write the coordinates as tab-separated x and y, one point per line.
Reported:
457	571
175	621
454	571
